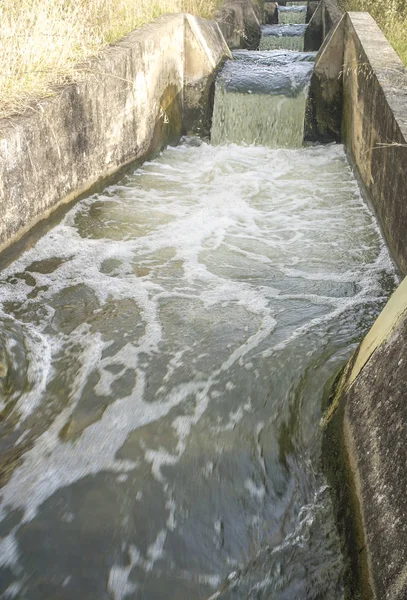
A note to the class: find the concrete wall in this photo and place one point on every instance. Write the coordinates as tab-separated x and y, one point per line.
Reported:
358	95
324	111
240	22
140	94
322	18
359	91
365	454
374	125
331	15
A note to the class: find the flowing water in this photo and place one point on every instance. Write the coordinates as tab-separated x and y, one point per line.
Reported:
292	14
288	37
260	98
164	355
168	344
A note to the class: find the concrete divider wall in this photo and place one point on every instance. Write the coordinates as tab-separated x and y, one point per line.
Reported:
374	125
359	94
331	15
240	22
140	94
365	456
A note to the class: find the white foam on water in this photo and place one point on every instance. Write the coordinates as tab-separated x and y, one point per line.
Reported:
12	591
256	491
9	555
223	229
118	584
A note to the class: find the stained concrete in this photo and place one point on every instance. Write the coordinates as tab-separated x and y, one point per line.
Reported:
314	33
240	22
204	51
142	93
358	95
324	110
270	13
367	427
331	15
374	124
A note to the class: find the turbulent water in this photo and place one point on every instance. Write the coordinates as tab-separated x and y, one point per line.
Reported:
292	14
260	98
288	37
164	351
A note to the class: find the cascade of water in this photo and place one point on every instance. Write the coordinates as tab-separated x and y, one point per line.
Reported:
260	99
291	14
288	37
165	350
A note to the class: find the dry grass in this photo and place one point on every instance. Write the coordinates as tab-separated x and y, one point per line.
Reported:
41	41
391	15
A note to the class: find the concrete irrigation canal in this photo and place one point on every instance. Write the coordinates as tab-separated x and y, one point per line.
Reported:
169	344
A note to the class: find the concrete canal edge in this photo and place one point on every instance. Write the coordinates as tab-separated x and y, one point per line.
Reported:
139	95
365	456
359	95
142	93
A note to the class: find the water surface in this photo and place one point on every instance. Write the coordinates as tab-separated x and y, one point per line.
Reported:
164	353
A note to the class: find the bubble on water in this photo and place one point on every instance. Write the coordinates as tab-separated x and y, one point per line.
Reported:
224	256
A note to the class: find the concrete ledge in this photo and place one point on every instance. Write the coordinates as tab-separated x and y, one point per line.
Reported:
270	13
139	95
204	51
323	17
366	430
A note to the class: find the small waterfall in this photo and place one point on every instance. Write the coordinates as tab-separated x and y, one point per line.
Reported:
291	14
260	99
289	37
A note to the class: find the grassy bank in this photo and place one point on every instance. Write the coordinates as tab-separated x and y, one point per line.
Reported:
41	41
391	15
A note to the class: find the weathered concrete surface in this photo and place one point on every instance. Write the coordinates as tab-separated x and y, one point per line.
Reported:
323	121
204	49
270	13
367	429
365	442
132	100
358	94
312	7
323	17
375	125
240	22
331	15
313	34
